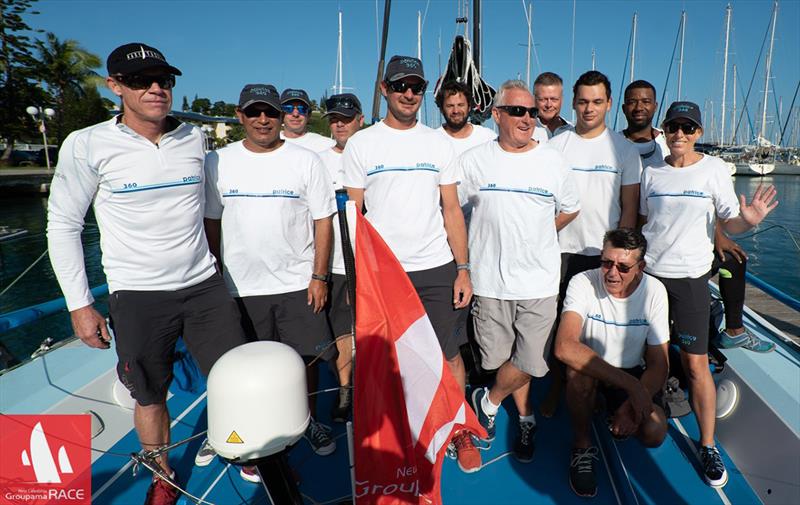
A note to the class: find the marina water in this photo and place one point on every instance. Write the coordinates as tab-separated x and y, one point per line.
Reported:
774	257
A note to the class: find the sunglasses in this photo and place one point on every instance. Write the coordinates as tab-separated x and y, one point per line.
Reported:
519	110
255	112
686	128
341	103
135	81
289	108
623	269
401	87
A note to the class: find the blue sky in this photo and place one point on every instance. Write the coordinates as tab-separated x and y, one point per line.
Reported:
222	45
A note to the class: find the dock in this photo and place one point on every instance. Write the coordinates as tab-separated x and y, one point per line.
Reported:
25	181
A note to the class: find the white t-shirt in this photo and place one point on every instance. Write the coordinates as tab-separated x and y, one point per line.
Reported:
680	205
542	134
513	244
654	151
148	201
601	166
267	203
619	329
477	136
312	141
400	172
333	162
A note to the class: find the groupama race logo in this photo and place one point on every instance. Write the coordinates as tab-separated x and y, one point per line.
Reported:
45	459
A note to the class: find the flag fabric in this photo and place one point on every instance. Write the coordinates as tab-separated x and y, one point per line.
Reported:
406	401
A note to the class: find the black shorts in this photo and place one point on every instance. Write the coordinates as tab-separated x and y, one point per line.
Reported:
147	325
435	289
338	307
689	312
615	396
287	318
571	265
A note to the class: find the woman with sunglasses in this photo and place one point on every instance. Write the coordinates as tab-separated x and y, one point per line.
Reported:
679	201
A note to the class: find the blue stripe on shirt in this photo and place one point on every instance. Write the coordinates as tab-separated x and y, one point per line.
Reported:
161	185
633	322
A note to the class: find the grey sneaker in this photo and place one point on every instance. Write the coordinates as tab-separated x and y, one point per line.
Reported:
319	436
582	477
205	454
713	467
341	410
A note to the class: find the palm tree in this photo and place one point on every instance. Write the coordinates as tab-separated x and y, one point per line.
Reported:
68	70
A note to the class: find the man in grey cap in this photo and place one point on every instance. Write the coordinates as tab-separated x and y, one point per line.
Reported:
297	110
142	171
404	173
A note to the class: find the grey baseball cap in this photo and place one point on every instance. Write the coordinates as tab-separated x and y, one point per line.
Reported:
259	93
403	66
683	110
290	94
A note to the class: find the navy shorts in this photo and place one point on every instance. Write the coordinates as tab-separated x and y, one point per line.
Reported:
338	307
147	325
689	312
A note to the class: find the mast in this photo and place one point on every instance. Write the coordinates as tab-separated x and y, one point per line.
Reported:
725	74
339	62
419	52
376	98
680	62
766	78
528	17
476	34
733	116
594	56
633	43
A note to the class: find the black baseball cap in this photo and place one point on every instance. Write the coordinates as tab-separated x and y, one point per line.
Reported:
683	110
290	94
132	58
345	104
259	93
403	66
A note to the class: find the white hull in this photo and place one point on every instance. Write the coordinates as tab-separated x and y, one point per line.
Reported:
754	168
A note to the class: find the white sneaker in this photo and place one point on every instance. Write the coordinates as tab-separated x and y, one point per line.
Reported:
205	454
250	474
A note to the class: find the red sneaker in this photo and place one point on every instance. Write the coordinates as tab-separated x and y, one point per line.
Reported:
250	474
469	457
161	493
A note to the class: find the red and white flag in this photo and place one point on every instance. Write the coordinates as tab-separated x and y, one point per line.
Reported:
406	401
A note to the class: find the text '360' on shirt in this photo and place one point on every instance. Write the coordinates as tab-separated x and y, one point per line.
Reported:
267	203
601	166
148	201
513	244
681	205
619	329
400	172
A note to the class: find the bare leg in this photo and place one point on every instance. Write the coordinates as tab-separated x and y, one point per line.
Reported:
509	379
581	390
522	399
152	427
703	394
312	380
344	362
553	398
459	371
653	429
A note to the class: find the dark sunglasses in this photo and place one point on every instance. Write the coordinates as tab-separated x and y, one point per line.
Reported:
623	269
254	112
401	87
135	81
519	110
686	128
341	103
289	108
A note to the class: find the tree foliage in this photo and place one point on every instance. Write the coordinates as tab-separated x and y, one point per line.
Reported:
201	105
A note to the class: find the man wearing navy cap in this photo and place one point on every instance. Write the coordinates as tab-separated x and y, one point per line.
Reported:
297	110
143	173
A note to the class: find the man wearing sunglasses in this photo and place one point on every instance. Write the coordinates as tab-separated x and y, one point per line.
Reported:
548	90
455	102
522	193
296	108
343	113
142	171
268	212
404	173
614	337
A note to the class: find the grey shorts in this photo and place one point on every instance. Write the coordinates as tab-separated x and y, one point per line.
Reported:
516	330
287	318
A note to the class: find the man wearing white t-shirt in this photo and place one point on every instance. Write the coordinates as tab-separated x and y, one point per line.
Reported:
548	90
613	337
404	173
455	102
268	220
522	193
296	107
343	113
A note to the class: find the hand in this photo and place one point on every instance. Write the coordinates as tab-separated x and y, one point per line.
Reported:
623	424
90	327
641	402
761	205
722	245
317	295
462	290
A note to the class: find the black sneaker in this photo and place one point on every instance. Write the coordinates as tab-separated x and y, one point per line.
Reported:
582	478
341	410
319	436
526	442
485	419
713	467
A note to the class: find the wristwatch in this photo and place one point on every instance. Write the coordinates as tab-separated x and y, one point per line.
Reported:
323	278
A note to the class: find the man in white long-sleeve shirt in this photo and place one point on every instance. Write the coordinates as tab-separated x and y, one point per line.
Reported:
143	172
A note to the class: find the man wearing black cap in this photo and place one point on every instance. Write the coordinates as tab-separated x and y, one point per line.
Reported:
143	171
268	220
297	110
401	170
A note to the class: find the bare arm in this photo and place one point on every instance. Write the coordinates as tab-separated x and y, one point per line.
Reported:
213	229
640	222
752	214
563	219
457	238
357	195
723	244
629	201
323	239
656	358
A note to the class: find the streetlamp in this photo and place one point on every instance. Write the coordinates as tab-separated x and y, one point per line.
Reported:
41	114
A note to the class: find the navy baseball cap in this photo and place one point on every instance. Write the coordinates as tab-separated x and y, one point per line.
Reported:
259	93
403	66
129	59
290	94
683	110
345	104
